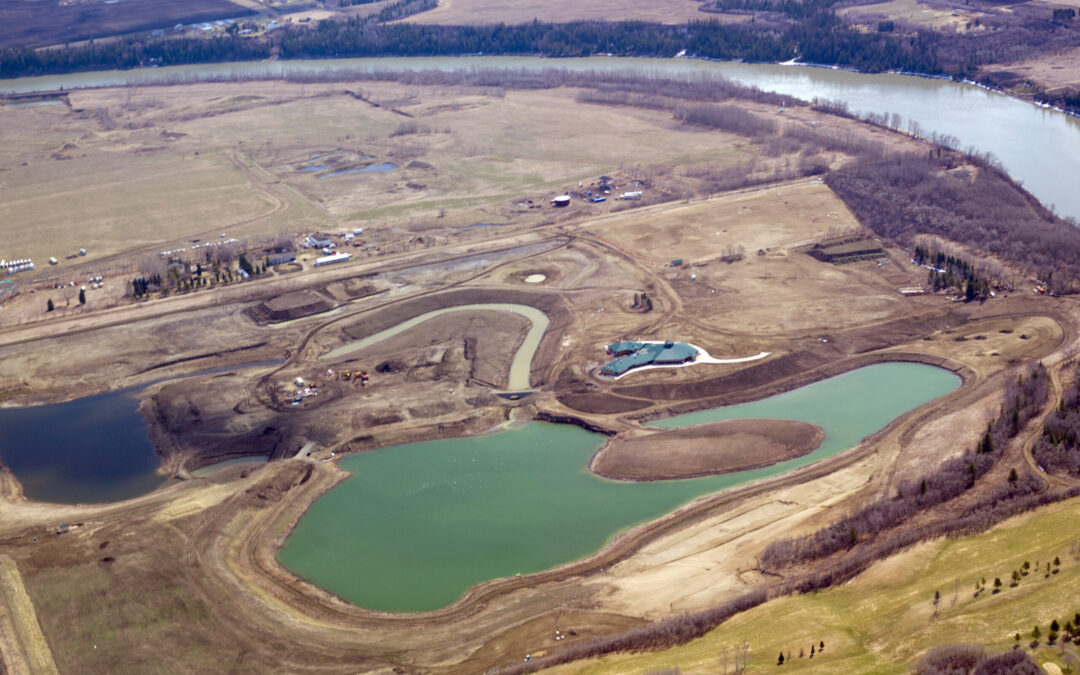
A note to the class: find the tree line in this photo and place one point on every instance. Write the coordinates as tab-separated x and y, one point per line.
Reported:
899	197
950	270
823	39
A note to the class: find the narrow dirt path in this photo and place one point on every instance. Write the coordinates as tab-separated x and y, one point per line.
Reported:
23	646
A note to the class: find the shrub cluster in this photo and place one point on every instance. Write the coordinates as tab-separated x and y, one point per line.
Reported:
964	659
1058	449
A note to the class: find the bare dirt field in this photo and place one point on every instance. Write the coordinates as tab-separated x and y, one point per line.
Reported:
717	447
465	12
464	219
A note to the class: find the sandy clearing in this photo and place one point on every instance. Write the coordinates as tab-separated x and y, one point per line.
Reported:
708	563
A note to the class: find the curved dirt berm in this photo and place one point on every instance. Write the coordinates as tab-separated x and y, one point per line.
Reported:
705	449
288	307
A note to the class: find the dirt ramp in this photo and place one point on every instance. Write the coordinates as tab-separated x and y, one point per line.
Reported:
601	404
705	449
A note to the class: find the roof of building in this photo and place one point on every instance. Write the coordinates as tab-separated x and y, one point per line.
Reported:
674	352
625	346
645	354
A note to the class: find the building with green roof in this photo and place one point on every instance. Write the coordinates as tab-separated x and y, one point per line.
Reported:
638	354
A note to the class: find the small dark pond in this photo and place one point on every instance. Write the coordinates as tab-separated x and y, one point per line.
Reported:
90	450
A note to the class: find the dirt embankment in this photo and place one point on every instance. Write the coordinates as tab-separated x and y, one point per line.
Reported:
705	449
289	307
549	303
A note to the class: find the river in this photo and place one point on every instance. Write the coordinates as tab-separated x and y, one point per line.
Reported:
417	525
1038	146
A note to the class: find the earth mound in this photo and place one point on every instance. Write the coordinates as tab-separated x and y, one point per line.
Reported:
288	307
705	449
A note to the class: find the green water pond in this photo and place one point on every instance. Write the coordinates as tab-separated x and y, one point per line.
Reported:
415	526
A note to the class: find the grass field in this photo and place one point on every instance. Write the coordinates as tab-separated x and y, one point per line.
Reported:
126	170
882	620
19	629
114	202
1051	72
456	12
755	219
914	12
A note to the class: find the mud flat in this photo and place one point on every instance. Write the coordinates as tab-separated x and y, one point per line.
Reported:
712	448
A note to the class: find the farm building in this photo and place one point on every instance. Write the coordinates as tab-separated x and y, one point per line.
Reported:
281	258
637	354
331	259
623	348
318	240
563	200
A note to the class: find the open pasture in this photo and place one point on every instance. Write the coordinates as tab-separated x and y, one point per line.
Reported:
457	12
755	218
115	202
913	11
126	170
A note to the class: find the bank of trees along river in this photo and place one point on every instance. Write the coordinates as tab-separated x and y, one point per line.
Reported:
819	38
779	30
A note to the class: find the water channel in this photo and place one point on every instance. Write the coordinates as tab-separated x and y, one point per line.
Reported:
417	525
1038	146
519	367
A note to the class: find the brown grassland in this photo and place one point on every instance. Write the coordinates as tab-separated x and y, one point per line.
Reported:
465	12
186	578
